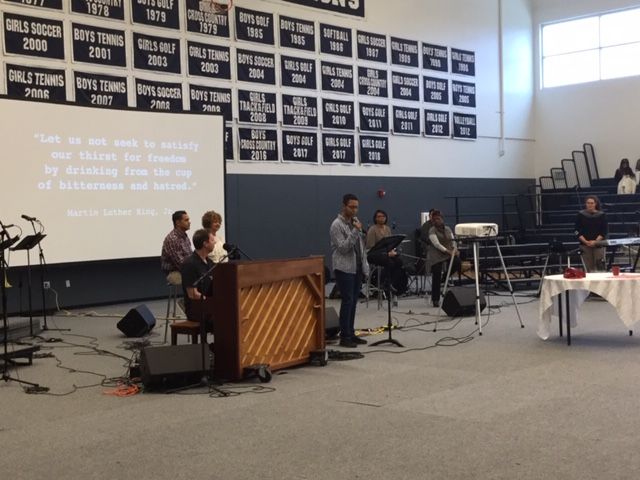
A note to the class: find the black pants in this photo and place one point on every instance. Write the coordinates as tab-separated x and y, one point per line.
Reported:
437	272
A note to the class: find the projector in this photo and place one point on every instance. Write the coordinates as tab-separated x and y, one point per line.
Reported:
476	230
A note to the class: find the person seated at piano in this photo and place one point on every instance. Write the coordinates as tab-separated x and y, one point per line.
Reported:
212	221
591	227
196	281
626	178
442	248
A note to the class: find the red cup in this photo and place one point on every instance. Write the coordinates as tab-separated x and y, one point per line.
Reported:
615	270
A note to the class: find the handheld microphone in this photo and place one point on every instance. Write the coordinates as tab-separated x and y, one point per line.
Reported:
28	218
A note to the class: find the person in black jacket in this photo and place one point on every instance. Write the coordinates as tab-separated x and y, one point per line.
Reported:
591	226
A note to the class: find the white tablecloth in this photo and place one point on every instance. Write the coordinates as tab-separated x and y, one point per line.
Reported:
622	291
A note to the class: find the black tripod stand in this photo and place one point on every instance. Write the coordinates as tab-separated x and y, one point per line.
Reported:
379	255
5	242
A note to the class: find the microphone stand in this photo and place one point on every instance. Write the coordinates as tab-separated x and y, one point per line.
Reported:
43	266
4	244
204	379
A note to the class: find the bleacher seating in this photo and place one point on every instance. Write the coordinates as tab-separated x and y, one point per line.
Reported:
547	232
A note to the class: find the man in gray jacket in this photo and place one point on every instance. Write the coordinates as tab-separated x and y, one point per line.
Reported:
349	265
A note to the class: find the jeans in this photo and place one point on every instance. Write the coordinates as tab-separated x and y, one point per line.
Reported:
349	285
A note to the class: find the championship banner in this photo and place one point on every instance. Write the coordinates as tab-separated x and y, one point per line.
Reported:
336	40
101	46
406	121
336	77
113	10
464	94
202	18
463	62
374	118
405	86
258	145
297	33
38	84
228	143
160	54
205	60
32	36
100	90
464	126
257	107
338	114
371	46
256	67
299	111
373	82
348	7
436	90
435	57
165	13
404	52
374	150
52	4
211	100
254	26
162	96
299	146
436	123
298	72
338	148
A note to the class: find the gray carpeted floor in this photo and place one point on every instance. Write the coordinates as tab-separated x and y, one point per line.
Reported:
506	405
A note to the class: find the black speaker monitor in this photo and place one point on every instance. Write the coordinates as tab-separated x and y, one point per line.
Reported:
331	323
137	322
461	302
171	365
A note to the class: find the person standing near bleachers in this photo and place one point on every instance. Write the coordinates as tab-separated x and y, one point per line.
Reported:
591	226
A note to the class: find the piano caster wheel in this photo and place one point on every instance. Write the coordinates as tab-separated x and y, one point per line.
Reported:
318	358
261	370
264	375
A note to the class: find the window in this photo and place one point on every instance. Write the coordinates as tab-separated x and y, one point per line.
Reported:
590	49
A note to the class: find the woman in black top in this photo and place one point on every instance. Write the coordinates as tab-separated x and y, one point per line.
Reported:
623	169
591	226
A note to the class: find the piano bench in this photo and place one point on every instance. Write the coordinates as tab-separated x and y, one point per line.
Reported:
185	327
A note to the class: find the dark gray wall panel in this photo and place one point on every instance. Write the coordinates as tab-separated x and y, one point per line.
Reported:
269	216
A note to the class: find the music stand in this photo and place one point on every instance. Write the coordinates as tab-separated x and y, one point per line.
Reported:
379	255
27	243
5	357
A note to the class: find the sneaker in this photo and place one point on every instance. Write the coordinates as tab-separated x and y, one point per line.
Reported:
359	341
348	343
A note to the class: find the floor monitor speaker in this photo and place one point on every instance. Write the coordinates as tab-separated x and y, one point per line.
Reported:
137	322
331	323
461	302
171	365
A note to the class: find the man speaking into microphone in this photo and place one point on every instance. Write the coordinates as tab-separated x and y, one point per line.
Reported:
349	265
